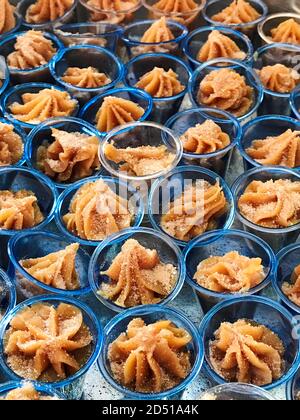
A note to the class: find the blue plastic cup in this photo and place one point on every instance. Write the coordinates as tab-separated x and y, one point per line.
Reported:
8	295
71	387
89	111
276	238
36	74
150	314
88	12
293	387
134	32
196	39
165	190
220	160
43	390
218	243
262	311
295	102
236	392
271	22
251	77
18	130
16	27
165	107
261	128
4	76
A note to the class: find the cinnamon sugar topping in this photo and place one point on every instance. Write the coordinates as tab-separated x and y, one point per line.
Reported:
27	393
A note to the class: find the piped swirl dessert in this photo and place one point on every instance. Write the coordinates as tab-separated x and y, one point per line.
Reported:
271	204
97	212
11	145
247	352
137	276
292	289
238	12
47	343
87	78
230	273
160	83
7	17
158	33
27	393
47	10
226	89
150	358
287	32
219	45
283	150
279	78
112	11
71	157
181	11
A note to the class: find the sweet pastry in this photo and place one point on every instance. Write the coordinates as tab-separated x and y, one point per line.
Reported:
27	393
31	50
279	78
137	276
19	210
160	83
247	352
47	343
205	138
11	145
117	9
57	269
230	273
283	150
219	45
195	211
117	111
71	157
271	204
287	32
47	10
140	161
238	12
184	9
45	104
97	212
88	77
226	89
7	17
150	358
292	289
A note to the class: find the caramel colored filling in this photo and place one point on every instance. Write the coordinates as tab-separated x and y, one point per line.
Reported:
7	18
231	273
247	352
117	7
19	210
150	358
271	204
71	157
56	269
157	33
46	343
219	45
283	150
160	83
117	111
39	107
287	32
47	10
31	50
227	90
205	138
138	277
292	289
88	78
27	393
195	211
97	212
239	11
279	78
11	145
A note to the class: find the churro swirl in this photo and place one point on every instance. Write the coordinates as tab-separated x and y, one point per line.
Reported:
292	289
279	78
271	204
160	83
247	352
227	90
283	150
150	358
239	11
88	77
7	17
118	9
27	393
47	10
219	45
287	32
11	145
184	9
158	33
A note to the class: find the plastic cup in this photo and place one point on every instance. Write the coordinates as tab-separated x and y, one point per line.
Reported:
295	102
23	136
293	388
236	392
88	12
4	76
271	22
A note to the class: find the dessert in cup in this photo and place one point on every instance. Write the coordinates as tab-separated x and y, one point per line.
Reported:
236	392
12	144
10	21
116	12
8	295
280	27
26	391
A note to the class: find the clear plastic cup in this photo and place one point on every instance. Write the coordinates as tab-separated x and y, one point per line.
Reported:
271	22
8	296
236	392
293	388
88	12
18	130
295	102
15	29
43	390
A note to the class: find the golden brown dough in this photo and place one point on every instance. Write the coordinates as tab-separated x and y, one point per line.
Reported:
287	32
183	8
239	11
157	33
112	6
150	358
88	77
27	393
219	45
247	352
7	17
11	145
160	83
47	10
279	78
292	289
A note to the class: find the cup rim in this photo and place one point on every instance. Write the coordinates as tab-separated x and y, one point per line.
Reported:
203	110
98	338
260	27
234	65
16	28
252	299
235	186
190	168
6	80
127	234
212	236
42	388
295	93
144	311
240	385
127	127
251	123
64	51
259	3
4	277
175	14
224	29
75	187
289	387
65	26
17	267
85	4
23	136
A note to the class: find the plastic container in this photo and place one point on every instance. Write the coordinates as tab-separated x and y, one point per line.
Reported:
271	22
293	388
295	102
8	295
44	390
23	136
